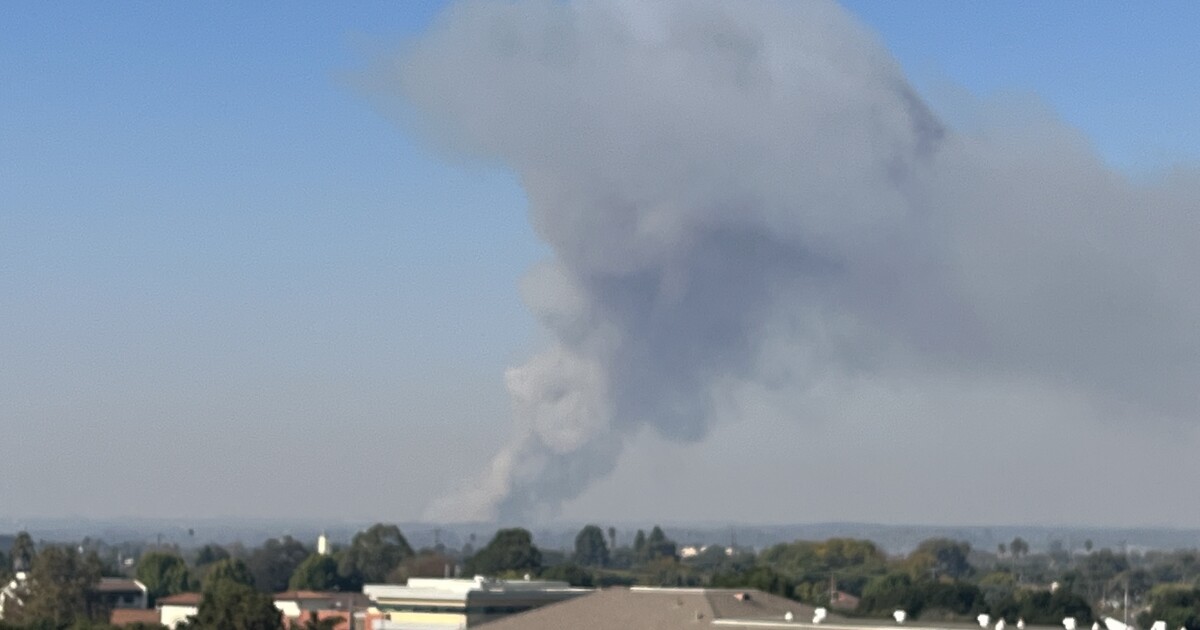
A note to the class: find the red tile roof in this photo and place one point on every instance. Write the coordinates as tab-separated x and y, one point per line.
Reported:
180	599
305	595
122	616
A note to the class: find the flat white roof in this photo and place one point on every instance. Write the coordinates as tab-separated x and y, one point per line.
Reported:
453	589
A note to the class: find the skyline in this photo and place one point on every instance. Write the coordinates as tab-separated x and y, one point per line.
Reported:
226	262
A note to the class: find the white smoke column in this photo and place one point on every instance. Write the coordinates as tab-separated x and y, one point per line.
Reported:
720	180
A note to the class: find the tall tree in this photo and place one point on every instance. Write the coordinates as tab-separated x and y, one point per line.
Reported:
316	573
658	545
229	570
509	550
209	554
590	548
1018	547
373	554
61	582
23	552
275	561
941	556
163	574
612	537
231	605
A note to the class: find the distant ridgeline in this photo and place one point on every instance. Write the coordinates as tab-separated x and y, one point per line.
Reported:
894	539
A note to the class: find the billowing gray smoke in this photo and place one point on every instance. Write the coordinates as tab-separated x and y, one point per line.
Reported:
719	181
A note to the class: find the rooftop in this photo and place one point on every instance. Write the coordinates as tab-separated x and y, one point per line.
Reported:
641	608
119	585
180	599
446	589
123	616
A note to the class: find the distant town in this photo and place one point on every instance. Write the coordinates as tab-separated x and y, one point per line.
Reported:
605	577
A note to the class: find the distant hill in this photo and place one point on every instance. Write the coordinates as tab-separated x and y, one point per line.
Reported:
894	539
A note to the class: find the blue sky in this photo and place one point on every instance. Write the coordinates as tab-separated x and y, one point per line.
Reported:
218	260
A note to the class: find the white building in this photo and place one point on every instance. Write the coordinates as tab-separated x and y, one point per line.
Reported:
175	609
451	604
111	593
14	593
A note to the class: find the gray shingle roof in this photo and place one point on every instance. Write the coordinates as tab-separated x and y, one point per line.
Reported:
652	609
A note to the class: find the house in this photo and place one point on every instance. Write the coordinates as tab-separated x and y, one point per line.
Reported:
450	604
299	607
841	600
175	609
296	607
122	593
109	593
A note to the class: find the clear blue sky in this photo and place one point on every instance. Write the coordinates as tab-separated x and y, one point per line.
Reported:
218	261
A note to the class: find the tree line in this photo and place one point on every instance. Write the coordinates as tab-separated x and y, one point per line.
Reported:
941	579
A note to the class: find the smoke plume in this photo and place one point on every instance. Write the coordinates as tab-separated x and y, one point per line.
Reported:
722	181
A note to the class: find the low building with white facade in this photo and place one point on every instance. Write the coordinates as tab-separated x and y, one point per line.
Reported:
451	604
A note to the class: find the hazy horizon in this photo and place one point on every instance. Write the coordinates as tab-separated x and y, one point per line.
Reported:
869	263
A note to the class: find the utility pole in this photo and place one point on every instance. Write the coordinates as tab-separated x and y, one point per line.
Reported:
1126	606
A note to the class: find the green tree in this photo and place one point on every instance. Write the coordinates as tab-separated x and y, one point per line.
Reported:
886	593
428	563
1179	606
509	550
373	554
275	561
1104	565
23	552
229	570
1018	547
591	550
209	554
997	587
1046	608
849	560
639	544
942	557
316	573
163	574
228	604
61	582
658	545
572	574
762	578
